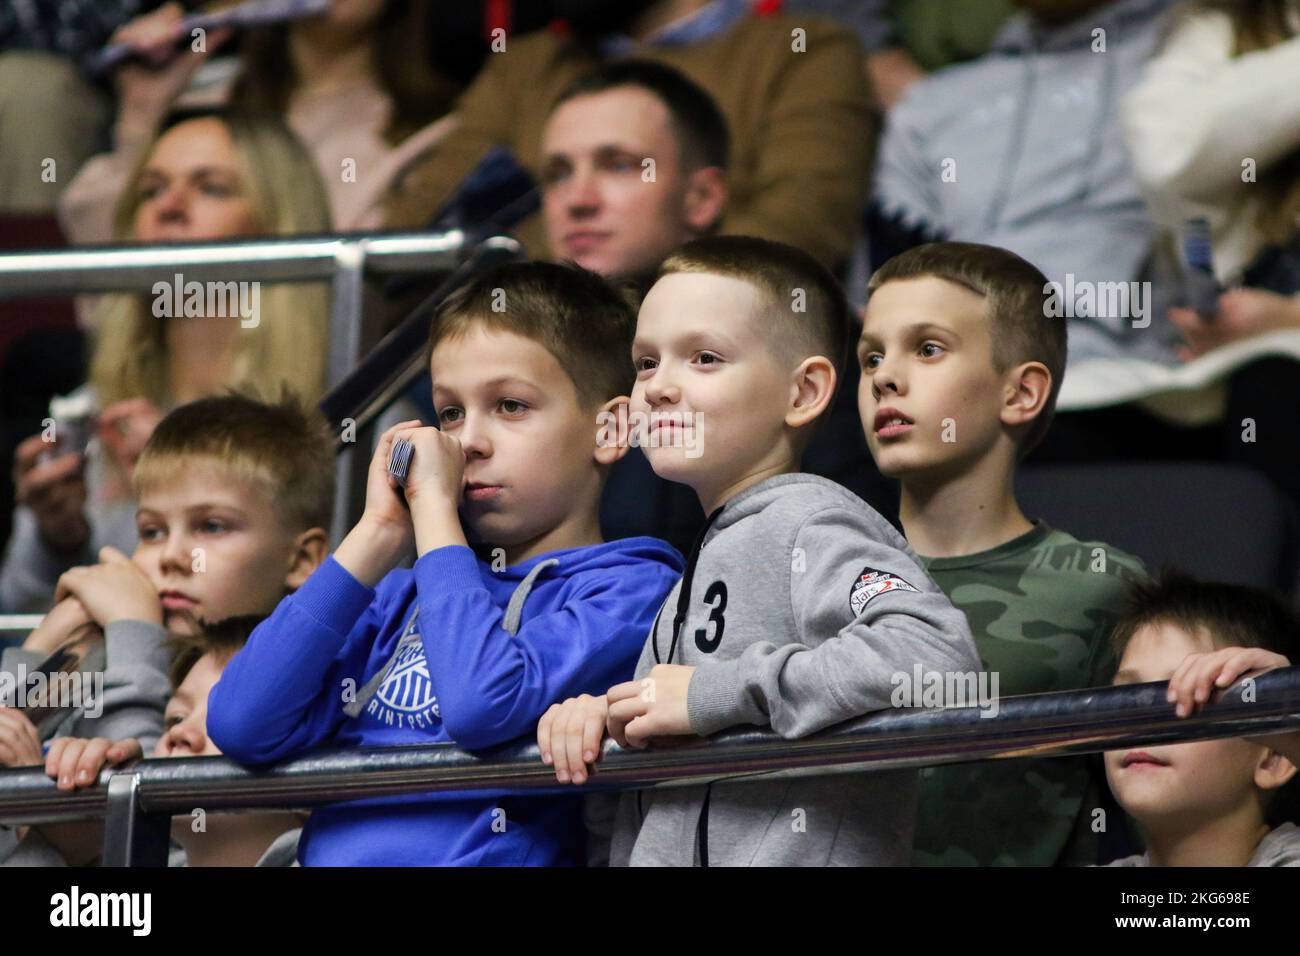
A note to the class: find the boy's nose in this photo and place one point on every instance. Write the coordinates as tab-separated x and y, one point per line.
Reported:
474	439
176	554
885	379
661	389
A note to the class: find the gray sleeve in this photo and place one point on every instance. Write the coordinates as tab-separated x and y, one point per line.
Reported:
135	685
905	186
627	824
31	570
32	850
869	19
857	632
11	660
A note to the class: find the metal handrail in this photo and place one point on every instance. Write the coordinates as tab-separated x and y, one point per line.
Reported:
135	268
343	259
1039	725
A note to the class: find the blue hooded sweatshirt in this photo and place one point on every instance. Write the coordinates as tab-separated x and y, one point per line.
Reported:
436	653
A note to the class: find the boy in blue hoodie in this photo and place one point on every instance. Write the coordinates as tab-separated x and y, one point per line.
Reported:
466	648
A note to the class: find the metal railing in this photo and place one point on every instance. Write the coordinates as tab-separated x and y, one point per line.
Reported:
137	803
343	259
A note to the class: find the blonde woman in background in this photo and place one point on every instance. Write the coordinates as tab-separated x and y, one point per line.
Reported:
208	176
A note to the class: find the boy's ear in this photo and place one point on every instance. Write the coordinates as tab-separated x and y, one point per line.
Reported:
811	390
612	430
706	197
1273	771
1029	386
309	552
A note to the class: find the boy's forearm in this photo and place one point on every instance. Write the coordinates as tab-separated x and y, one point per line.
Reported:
369	552
437	526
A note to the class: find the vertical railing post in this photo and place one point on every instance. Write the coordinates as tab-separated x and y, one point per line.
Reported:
131	836
345	351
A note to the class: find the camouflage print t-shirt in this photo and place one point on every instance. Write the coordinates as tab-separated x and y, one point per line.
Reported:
1040	608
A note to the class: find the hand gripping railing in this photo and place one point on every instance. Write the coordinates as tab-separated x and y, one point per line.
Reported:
136	803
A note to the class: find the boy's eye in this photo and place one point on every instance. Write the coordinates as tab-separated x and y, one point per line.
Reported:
931	349
213	526
644	364
171	720
450	414
150	533
708	358
871	360
511	406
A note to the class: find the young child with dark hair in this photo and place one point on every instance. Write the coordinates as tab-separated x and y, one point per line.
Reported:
1226	802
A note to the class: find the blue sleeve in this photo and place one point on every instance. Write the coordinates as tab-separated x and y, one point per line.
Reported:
282	694
493	687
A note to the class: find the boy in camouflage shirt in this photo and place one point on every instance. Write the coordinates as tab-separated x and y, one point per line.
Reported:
961	365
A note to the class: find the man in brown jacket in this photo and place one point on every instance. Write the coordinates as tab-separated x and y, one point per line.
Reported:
792	90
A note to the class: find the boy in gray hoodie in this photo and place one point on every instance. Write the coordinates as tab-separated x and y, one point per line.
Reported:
800	606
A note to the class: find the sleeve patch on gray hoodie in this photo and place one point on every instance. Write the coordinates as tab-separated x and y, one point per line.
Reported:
871	583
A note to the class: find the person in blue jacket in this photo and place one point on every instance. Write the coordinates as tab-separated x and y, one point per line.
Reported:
471	645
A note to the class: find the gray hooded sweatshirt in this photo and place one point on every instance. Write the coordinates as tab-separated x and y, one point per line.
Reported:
132	663
1023	148
1280	848
798	607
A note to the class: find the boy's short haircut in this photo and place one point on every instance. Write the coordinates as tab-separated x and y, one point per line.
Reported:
807	312
586	322
1230	615
286	446
1022	329
698	124
225	638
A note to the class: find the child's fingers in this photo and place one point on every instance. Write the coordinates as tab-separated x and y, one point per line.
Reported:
560	743
623	691
573	745
1250	659
617	729
123	750
628	708
544	733
638	732
91	761
68	758
593	730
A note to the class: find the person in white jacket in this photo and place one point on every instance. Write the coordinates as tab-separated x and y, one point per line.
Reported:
1213	128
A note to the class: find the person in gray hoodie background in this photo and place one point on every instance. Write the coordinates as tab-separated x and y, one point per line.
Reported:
1023	148
800	606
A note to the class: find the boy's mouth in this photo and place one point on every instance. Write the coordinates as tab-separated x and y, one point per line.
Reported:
1140	758
475	491
890	422
177	601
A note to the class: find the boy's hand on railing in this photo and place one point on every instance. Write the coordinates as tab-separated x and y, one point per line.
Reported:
76	762
116	589
64	619
20	742
654	706
1199	674
569	736
384	533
